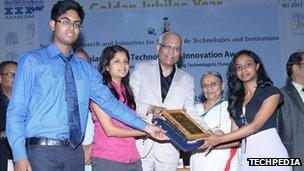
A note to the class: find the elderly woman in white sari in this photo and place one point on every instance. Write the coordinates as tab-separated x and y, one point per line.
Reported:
213	114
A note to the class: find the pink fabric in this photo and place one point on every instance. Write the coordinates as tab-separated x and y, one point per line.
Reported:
112	148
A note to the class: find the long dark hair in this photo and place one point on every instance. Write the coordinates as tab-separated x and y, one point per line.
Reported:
235	85
107	55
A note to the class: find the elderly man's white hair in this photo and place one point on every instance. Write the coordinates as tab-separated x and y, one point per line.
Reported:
161	38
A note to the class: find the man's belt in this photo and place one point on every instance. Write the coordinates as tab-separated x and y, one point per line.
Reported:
47	142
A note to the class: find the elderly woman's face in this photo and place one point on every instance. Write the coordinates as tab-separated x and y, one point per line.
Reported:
212	87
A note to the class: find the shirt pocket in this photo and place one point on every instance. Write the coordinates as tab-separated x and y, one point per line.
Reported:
50	84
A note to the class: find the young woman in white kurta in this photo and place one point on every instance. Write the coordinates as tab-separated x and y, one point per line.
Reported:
253	104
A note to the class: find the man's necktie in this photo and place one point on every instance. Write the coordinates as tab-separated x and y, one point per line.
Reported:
303	89
72	104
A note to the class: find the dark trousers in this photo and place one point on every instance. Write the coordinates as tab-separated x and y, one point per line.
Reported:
55	158
99	164
5	154
3	157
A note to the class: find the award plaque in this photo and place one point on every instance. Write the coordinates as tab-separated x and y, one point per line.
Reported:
181	129
185	124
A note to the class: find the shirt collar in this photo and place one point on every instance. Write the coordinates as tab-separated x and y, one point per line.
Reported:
171	74
297	86
54	51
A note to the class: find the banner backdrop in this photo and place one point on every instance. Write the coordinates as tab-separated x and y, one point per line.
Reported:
213	31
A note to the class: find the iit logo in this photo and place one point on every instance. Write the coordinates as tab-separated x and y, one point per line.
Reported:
22	10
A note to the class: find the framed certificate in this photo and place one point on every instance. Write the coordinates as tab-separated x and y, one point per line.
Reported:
184	124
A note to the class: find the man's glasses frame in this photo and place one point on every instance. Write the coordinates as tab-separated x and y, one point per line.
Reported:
67	22
10	75
169	48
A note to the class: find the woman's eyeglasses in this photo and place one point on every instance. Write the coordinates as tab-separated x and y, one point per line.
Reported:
211	85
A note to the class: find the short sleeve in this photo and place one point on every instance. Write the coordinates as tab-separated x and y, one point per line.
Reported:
267	92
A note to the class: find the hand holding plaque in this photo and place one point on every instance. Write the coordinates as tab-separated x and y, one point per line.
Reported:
182	130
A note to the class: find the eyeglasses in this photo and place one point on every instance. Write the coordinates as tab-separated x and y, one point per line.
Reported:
10	75
170	48
300	64
211	85
67	22
247	65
